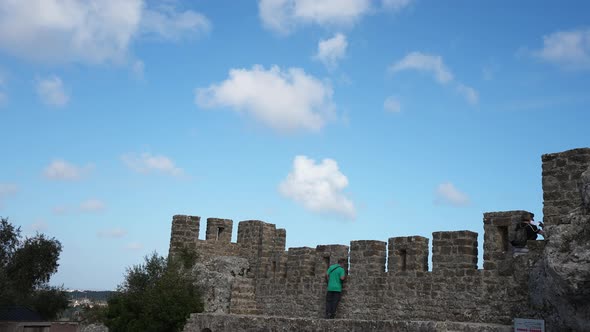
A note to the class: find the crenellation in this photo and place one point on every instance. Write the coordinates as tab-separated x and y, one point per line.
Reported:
184	233
327	255
300	263
219	230
454	250
367	257
408	253
498	226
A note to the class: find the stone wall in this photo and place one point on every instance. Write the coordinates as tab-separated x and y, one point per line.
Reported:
390	282
291	283
233	323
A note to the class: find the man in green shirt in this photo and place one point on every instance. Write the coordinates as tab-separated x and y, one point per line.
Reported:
335	275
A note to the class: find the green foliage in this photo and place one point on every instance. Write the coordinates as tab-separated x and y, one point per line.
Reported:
93	315
188	257
49	301
155	296
25	268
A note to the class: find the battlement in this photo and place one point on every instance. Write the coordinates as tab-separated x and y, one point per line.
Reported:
264	246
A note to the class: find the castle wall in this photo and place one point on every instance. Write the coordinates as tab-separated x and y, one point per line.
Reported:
292	283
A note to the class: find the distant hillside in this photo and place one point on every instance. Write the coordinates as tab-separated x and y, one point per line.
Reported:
91	295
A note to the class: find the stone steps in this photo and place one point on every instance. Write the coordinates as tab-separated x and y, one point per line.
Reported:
243	297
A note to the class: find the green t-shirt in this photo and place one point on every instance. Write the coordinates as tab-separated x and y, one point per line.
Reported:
335	272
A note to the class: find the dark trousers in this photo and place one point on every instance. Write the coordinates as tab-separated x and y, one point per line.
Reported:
332	299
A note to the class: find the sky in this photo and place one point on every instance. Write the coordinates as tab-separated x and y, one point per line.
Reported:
337	120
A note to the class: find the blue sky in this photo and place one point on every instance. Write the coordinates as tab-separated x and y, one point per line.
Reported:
338	120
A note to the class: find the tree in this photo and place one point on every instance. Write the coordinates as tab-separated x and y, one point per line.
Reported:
25	268
155	296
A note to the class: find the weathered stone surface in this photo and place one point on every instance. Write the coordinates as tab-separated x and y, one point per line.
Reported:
215	279
560	283
238	323
584	186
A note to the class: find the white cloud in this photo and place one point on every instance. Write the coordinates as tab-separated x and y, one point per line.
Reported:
146	163
392	105
62	170
92	206
569	49
424	62
134	246
283	100
469	93
332	50
446	193
112	233
283	16
88	31
7	190
434	65
51	91
319	187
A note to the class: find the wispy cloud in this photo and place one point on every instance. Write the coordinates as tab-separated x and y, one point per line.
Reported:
567	49
138	68
112	233
39	226
92	206
468	93
146	163
284	16
396	5
434	65
134	246
331	51
60	169
286	100
7	190
318	187
446	193
51	91
166	22
3	95
392	105
60	210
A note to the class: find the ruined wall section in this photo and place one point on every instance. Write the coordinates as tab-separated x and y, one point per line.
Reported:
561	176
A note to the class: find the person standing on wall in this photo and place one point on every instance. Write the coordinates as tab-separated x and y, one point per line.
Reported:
525	231
335	275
